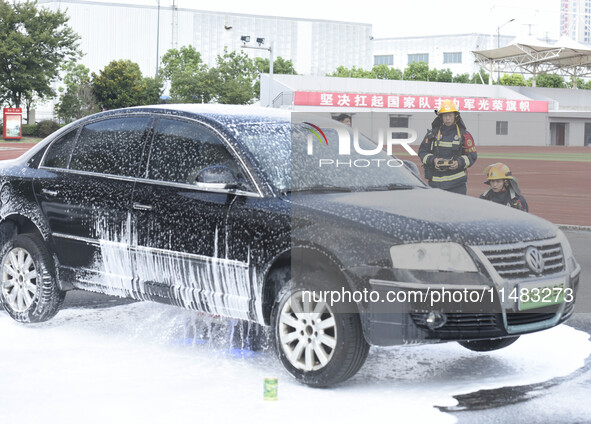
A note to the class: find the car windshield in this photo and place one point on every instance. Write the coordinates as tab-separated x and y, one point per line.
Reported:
294	158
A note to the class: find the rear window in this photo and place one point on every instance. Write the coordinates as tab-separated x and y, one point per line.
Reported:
58	154
112	146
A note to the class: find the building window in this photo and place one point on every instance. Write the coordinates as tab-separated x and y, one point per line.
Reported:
399	121
502	127
454	57
387	59
420	57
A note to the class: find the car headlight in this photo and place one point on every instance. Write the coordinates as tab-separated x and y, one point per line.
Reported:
432	257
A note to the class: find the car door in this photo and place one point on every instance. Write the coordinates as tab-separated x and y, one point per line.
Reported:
182	254
85	193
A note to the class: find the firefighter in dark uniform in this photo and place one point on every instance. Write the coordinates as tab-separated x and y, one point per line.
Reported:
503	187
448	150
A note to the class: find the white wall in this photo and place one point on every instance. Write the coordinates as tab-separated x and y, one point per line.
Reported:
119	31
436	46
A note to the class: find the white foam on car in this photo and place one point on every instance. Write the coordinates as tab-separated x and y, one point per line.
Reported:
220	286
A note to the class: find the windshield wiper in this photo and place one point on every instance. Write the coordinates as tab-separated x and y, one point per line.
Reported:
320	188
393	186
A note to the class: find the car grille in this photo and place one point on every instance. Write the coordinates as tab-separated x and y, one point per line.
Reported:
522	318
462	323
509	261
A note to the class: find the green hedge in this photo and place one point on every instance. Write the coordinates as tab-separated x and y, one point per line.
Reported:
44	128
41	129
29	130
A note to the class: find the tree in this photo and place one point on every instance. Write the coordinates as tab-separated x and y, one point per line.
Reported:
151	89
513	79
200	88
190	79
550	80
481	77
280	66
462	78
120	84
580	83
444	75
383	71
354	72
34	42
185	60
418	71
283	66
76	99
234	77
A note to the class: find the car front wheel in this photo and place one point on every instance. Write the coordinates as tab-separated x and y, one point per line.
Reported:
28	288
318	343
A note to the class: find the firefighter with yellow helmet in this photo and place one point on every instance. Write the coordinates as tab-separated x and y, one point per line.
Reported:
448	150
503	187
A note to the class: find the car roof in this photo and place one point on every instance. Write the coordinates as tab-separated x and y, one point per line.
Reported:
218	115
223	114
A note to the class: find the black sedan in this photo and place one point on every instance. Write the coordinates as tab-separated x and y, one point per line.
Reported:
273	218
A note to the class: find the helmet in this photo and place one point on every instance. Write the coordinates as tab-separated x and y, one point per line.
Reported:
498	171
447	106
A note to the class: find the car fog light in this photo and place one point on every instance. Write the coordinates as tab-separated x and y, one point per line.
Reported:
436	319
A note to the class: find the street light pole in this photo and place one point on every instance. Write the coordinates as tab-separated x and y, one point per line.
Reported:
270	50
499	46
271	75
157	39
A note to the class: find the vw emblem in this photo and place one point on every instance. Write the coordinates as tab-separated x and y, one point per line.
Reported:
534	260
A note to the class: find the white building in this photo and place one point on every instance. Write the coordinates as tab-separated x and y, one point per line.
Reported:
140	33
495	115
143	33
575	20
440	52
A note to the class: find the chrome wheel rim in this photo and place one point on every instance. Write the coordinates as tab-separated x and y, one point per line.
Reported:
19	279
307	332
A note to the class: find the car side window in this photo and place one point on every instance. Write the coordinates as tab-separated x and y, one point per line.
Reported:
111	146
180	150
58	154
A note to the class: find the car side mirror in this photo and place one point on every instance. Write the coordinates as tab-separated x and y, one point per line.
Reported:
217	176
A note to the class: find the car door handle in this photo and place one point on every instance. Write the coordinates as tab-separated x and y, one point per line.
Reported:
51	193
140	207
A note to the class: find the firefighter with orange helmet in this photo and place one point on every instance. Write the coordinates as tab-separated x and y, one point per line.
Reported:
503	187
448	150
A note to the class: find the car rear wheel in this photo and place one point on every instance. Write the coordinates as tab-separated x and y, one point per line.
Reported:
318	343
28	288
488	345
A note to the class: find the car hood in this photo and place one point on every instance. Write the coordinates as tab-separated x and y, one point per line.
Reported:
7	163
416	215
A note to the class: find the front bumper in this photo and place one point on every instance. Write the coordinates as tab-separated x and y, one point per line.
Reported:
489	307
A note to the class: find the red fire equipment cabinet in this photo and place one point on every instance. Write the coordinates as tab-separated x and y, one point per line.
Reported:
13	123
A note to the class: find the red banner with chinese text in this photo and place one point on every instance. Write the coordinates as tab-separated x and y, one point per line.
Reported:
396	101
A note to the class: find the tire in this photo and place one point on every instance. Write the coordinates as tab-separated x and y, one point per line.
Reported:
28	286
319	344
488	345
